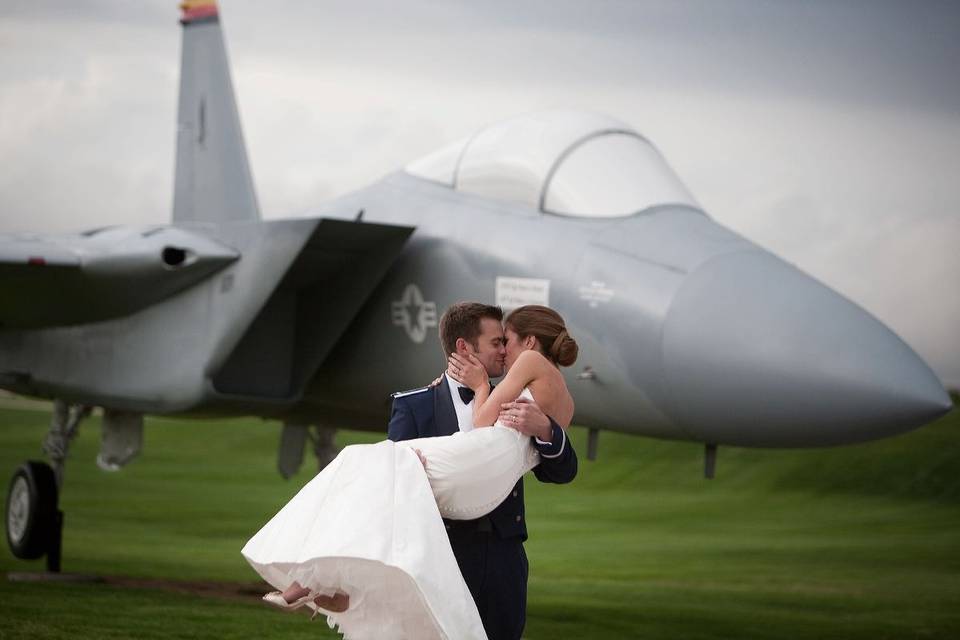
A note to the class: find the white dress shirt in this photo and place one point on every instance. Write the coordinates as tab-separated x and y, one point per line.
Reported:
464	411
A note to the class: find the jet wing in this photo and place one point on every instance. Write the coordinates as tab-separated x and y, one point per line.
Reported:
59	280
311	307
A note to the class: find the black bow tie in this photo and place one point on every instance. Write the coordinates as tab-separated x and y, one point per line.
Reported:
466	394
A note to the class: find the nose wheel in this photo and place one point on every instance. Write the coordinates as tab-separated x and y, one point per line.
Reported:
33	521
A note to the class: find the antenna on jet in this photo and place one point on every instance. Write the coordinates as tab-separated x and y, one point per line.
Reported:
212	180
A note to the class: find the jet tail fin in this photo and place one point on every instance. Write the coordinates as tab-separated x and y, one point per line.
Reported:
212	181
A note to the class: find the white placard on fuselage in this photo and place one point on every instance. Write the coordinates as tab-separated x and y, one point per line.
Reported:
517	292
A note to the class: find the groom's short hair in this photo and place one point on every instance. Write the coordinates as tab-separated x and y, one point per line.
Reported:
462	320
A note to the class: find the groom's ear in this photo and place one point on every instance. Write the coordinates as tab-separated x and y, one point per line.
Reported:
464	346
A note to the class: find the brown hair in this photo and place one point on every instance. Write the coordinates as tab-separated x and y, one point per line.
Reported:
462	320
546	325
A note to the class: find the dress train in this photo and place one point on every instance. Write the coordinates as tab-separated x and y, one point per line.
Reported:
370	525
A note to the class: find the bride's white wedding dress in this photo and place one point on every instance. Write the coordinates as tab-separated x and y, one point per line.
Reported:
370	525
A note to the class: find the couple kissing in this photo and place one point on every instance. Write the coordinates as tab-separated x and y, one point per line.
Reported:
421	536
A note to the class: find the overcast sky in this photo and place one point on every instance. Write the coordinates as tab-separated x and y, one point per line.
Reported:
825	131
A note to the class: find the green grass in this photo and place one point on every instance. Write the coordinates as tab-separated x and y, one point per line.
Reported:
853	542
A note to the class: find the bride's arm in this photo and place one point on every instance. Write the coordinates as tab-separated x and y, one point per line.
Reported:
486	404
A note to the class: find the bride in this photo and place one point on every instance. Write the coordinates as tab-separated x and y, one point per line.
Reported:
364	541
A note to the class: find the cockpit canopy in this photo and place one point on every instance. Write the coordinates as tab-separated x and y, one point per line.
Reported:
568	163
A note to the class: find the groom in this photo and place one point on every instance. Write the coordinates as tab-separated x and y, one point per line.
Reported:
489	550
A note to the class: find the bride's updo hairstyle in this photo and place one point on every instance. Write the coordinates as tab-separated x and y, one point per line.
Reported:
546	325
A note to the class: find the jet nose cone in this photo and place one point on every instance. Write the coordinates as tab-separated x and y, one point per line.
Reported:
757	353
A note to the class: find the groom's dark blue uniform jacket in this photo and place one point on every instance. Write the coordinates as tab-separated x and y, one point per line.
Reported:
495	569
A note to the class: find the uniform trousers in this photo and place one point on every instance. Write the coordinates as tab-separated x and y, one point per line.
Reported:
495	570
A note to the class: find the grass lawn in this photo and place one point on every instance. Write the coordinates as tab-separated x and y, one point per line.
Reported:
854	542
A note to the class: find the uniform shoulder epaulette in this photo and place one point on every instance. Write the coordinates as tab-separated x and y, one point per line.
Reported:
410	392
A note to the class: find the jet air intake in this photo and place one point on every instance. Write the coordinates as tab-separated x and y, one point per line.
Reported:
102	274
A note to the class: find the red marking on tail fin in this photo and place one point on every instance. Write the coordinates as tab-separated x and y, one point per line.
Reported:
198	9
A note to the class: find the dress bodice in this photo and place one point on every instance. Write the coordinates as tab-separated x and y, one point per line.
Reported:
471	472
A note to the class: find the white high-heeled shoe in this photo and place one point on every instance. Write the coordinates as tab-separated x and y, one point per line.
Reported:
336	603
276	599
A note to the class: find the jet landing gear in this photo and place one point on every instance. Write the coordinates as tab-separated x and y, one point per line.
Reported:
293	440
33	519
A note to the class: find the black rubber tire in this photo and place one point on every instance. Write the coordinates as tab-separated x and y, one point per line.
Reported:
40	512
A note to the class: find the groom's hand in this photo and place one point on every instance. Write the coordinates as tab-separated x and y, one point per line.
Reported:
526	417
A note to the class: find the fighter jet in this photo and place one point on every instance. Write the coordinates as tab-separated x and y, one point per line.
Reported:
686	329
